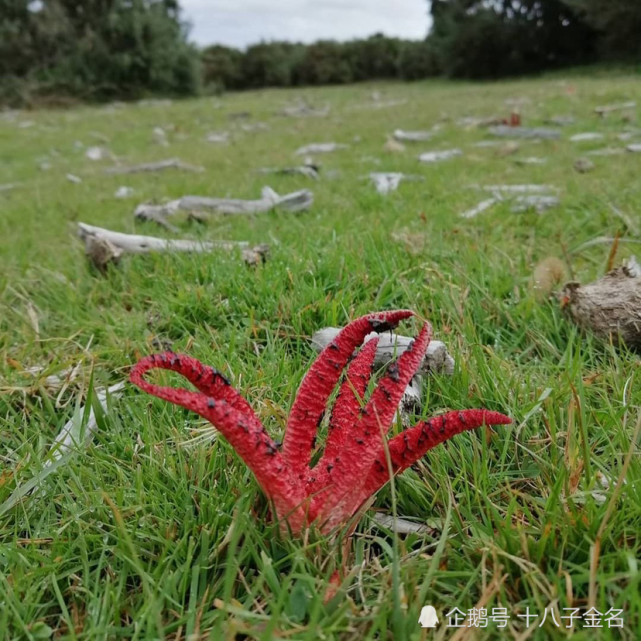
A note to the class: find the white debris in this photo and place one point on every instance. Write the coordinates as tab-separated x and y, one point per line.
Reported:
606	151
531	160
320	148
561	121
522	197
487	143
124	192
97	153
622	106
505	131
437	156
74	179
218	137
588	136
389	181
412	136
161	165
399	524
480	208
251	127
634	148
308	170
160	137
302	109
539	203
519	189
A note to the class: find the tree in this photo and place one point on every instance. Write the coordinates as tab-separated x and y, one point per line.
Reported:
95	49
222	68
618	23
491	38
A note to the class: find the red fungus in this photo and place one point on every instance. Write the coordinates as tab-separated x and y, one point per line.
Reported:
354	464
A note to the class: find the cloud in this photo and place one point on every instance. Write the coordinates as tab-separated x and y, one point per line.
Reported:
239	23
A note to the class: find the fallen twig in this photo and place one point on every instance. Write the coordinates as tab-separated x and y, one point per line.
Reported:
412	136
294	202
161	165
504	131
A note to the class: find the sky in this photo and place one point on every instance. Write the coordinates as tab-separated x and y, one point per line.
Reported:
239	23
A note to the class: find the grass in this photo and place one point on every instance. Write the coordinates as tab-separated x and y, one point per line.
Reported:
146	536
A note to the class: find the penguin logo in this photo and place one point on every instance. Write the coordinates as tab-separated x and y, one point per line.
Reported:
428	618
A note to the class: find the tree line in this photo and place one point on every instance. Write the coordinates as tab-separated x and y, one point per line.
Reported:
106	49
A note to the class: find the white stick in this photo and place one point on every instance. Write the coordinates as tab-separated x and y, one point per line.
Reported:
161	165
294	202
436	361
412	136
606	109
135	244
480	208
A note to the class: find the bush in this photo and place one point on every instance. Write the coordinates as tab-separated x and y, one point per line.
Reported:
99	49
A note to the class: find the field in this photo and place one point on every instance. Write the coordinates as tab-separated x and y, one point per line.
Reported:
153	532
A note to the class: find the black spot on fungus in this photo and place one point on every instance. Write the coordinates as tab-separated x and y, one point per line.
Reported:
379	325
211	403
360	441
461	418
330	467
334	347
393	373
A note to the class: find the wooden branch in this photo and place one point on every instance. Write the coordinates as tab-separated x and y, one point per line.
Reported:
412	136
604	110
161	165
437	156
389	181
320	148
533	133
309	171
134	244
437	359
294	202
104	246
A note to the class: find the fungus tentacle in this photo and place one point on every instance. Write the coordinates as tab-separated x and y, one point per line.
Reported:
320	381
244	431
204	378
366	437
345	412
412	444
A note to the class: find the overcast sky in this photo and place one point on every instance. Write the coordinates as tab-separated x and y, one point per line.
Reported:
239	23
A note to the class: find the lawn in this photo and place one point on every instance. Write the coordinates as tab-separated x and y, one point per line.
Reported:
153	532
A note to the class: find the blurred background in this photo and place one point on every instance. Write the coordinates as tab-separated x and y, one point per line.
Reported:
58	51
